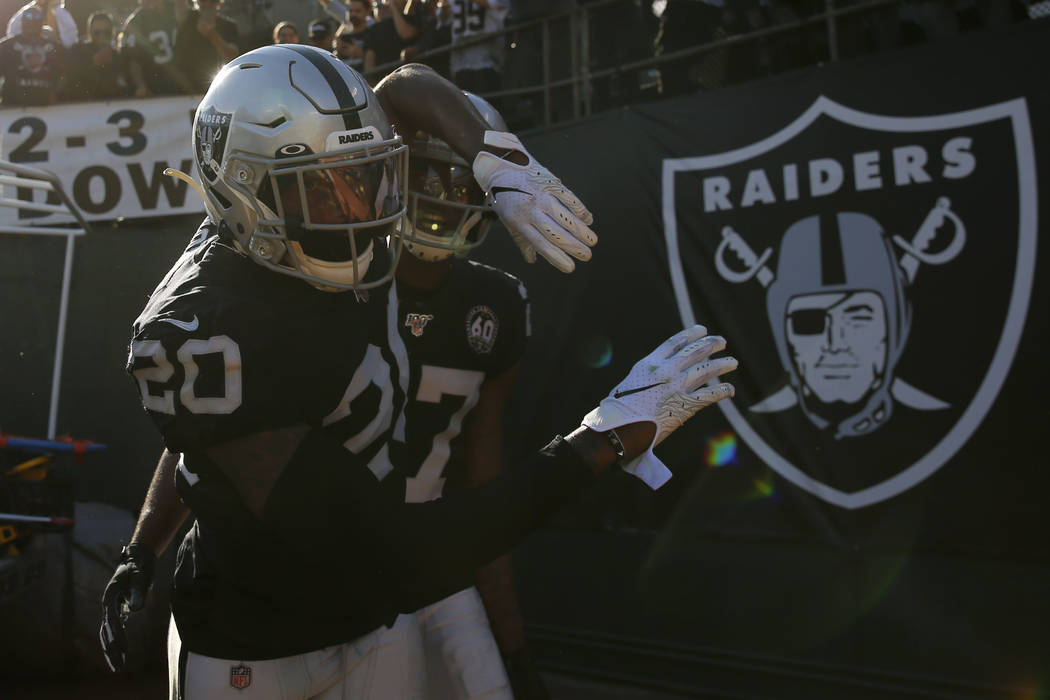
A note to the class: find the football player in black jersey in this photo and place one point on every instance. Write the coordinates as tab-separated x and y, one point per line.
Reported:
269	357
465	326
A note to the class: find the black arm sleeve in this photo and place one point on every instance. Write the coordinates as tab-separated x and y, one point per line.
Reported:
417	553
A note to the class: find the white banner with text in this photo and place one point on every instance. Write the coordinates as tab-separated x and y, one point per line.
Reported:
109	156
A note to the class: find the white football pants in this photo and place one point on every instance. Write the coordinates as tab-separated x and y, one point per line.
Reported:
383	664
462	659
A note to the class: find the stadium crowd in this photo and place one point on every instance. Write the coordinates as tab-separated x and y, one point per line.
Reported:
69	50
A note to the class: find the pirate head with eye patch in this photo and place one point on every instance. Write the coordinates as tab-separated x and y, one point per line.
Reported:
840	319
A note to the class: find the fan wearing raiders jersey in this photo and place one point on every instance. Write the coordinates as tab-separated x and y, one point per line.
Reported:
268	356
148	39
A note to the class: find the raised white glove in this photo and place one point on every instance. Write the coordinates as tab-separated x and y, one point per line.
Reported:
542	215
666	387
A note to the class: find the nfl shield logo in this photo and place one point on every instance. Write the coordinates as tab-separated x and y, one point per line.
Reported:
240	676
856	249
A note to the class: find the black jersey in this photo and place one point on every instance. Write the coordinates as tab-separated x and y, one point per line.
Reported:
474	325
148	38
31	69
224	349
196	56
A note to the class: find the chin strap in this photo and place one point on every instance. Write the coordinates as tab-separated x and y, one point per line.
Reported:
178	174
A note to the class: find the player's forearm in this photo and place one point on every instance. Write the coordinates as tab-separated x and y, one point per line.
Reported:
423	552
437	541
438	545
418	99
322	502
162	512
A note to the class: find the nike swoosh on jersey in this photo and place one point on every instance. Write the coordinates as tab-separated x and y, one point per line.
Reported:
184	325
628	392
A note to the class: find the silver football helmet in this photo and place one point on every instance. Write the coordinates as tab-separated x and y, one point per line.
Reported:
446	206
297	158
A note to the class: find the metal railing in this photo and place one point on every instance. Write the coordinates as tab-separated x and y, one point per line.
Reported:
26	178
584	71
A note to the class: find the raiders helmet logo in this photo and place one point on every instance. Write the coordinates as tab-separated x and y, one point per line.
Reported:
482	326
848	242
212	128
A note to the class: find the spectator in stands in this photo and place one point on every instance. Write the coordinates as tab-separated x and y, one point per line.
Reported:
359	17
31	64
350	49
285	33
685	24
348	17
57	21
478	68
148	43
207	41
428	36
321	34
96	68
398	24
620	34
440	34
350	41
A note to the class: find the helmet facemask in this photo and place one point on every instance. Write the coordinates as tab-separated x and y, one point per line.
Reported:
299	162
448	211
321	216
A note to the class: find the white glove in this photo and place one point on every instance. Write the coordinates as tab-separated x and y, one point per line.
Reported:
542	215
665	387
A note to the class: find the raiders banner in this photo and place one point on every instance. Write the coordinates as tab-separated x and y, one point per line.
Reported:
869	236
867	243
109	156
839	237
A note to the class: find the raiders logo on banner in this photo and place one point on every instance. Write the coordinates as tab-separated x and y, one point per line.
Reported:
872	274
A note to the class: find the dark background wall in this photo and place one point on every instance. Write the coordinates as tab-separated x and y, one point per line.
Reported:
115	268
729	580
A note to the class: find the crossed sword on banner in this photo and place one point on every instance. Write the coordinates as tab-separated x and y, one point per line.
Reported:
916	252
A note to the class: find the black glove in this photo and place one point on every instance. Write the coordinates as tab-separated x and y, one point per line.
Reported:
525	680
125	592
